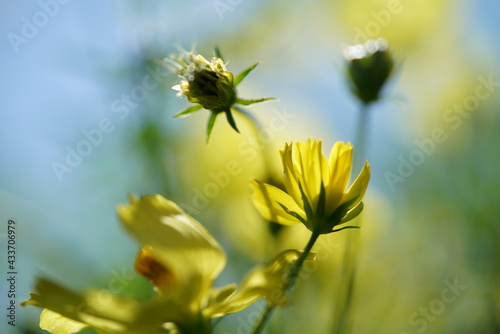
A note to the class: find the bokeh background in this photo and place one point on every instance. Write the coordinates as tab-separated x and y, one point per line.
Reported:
429	256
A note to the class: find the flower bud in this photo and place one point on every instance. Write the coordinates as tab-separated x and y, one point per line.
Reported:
369	67
206	83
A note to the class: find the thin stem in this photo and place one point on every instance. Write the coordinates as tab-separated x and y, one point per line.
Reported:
256	129
360	139
346	290
259	326
291	278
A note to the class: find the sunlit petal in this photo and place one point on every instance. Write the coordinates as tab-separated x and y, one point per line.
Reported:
58	324
263	281
266	198
178	242
358	188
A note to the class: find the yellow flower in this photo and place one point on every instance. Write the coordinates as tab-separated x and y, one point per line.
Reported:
181	259
317	192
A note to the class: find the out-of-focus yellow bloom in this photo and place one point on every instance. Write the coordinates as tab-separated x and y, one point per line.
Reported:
316	188
181	259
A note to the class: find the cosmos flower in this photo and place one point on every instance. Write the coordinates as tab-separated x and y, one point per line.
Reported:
181	260
317	193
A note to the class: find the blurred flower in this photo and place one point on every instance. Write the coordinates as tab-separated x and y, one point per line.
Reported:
316	192
209	85
181	259
369	67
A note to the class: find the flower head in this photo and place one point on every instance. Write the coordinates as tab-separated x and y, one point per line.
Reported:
369	67
209	85
181	260
317	192
204	82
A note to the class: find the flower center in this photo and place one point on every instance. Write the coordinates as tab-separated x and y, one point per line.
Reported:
151	269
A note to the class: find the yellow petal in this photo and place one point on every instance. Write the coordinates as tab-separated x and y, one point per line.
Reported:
340	170
216	305
291	175
58	324
358	188
263	281
315	169
180	243
303	158
101	310
266	198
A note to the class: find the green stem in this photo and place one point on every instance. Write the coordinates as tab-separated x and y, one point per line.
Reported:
259	326
344	302
360	140
291	279
256	129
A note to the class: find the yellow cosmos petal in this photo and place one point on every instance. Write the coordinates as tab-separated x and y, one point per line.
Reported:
180	243
314	168
100	310
266	198
216	305
324	167
340	161
320	170
358	187
291	175
58	324
263	281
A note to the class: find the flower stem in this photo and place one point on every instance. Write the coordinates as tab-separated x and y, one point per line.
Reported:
345	292
290	280
259	326
256	129
360	139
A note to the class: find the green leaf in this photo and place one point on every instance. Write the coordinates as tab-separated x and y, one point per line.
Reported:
247	102
217	53
292	213
244	73
189	111
231	120
210	124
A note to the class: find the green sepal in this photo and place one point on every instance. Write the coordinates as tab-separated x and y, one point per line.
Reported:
190	110
345	228
210	124
353	213
293	213
247	102
243	74
338	215
307	205
231	120
320	208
